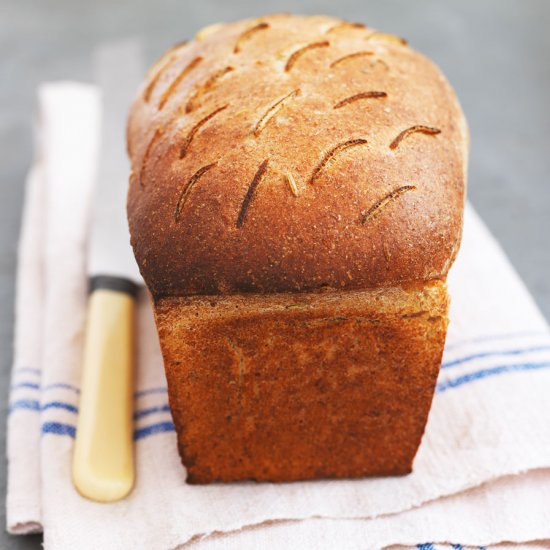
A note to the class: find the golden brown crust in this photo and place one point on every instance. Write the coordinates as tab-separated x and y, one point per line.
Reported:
297	386
311	234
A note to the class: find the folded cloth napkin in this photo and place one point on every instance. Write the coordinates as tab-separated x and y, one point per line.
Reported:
481	476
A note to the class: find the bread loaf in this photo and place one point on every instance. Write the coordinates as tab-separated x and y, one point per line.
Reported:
295	204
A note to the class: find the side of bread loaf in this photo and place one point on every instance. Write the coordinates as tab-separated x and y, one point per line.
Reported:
301	386
292	153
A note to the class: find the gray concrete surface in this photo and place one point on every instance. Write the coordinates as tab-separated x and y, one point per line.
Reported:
496	54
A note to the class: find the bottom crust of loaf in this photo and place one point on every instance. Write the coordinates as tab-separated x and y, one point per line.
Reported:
291	387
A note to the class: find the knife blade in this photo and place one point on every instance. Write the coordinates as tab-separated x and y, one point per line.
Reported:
118	68
103	462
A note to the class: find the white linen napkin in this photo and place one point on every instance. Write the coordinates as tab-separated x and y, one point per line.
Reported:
479	477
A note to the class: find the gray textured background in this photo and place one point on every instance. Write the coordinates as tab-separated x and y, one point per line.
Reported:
496	54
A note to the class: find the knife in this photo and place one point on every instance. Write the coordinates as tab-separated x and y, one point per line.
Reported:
103	461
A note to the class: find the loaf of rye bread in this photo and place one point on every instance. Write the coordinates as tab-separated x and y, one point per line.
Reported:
295	204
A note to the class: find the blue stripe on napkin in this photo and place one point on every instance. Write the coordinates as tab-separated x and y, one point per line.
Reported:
61	386
482	355
29	385
141	393
59	428
34	405
29	404
161	427
484	373
151	410
59	405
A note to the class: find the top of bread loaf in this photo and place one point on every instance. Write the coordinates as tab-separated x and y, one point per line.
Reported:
292	153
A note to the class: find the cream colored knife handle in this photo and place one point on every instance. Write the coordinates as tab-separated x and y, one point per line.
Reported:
103	462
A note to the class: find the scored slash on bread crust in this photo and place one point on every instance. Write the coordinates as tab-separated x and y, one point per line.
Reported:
143	164
189	138
250	193
155	78
330	156
194	100
273	110
248	33
387	37
349	56
299	120
357	97
188	187
301	51
159	67
345	25
383	202
412	130
176	82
